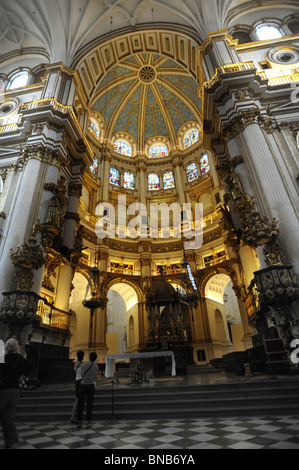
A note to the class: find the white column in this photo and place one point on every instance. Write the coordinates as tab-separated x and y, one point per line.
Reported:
52	177
271	189
177	164
18	226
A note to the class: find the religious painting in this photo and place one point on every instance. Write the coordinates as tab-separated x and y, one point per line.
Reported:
191	138
192	172
114	176
94	167
93	128
153	182
122	147
204	164
168	180
129	180
158	151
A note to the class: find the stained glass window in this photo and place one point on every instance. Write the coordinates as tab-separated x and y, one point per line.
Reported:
153	182
191	137
114	176
168	180
120	146
94	167
129	180
158	151
93	128
268	32
204	164
192	172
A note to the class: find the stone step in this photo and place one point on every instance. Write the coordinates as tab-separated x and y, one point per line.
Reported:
266	397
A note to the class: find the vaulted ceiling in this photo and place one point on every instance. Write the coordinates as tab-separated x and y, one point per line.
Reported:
64	28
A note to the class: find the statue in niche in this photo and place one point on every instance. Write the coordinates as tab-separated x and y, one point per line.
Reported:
234	186
267	281
285	278
55	212
57	204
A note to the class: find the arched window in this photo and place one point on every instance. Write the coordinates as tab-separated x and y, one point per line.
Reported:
267	32
153	182
204	164
129	180
243	36
18	80
191	137
158	151
94	129
94	167
114	176
192	172
294	26
168	180
123	147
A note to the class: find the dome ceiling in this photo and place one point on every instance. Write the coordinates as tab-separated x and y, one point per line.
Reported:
147	95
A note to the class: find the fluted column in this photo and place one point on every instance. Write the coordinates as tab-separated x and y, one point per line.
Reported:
272	190
141	167
177	165
66	271
238	287
21	218
106	175
71	217
52	177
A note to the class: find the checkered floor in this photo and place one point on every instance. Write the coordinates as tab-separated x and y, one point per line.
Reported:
233	433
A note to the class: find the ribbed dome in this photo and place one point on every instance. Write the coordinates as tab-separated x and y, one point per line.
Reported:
147	95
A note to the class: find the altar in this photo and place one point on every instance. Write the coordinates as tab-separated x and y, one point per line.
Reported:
110	360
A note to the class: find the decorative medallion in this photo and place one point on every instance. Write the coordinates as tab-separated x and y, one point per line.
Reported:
147	74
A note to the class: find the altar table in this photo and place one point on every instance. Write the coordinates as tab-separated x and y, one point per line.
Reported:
110	360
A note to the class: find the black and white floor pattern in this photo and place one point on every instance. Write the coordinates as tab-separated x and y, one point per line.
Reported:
275	432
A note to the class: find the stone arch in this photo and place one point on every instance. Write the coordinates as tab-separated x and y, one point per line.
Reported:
118	280
124	304
205	279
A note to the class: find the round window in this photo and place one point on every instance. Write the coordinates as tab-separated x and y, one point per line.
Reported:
7	107
284	56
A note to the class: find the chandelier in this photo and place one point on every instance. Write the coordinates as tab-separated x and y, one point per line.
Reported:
93	296
192	295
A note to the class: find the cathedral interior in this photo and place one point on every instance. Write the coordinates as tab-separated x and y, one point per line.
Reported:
110	108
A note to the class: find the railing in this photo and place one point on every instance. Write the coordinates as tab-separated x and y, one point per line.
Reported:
231	68
245	66
53	316
53	103
8	128
284	80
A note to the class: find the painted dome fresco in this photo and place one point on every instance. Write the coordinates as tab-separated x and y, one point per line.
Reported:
145	96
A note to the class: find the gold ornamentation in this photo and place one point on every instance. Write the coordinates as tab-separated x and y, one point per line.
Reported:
27	257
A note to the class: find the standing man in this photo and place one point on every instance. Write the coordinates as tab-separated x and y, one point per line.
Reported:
14	367
89	372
